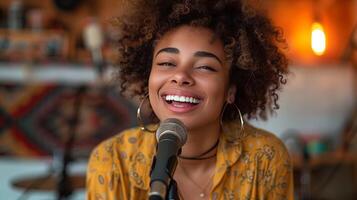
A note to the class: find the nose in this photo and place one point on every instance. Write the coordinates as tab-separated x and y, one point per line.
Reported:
182	78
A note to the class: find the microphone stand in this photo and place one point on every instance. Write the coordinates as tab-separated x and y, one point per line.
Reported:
173	191
94	40
64	187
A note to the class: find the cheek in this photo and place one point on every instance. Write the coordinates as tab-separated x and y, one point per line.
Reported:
156	81
217	91
152	87
217	88
151	83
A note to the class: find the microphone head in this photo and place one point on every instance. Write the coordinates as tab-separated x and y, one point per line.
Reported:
93	35
174	127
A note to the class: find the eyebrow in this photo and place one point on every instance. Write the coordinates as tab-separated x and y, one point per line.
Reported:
168	50
197	54
207	54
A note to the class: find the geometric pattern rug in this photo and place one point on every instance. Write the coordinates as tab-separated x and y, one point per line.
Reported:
35	120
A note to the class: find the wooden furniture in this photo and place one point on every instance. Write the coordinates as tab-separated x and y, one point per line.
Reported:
28	46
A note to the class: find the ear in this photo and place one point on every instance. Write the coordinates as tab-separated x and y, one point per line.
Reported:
231	94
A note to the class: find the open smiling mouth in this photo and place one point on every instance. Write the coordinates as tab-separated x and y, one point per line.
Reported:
181	101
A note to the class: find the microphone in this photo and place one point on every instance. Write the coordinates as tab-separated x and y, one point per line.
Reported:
94	40
171	136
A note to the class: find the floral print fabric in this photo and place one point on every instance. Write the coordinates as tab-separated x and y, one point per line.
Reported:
258	167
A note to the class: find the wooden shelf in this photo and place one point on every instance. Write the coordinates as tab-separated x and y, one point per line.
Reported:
26	45
68	74
327	159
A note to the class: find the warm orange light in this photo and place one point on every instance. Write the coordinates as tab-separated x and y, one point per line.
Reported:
318	39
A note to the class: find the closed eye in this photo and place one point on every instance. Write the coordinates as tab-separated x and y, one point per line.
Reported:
207	68
168	64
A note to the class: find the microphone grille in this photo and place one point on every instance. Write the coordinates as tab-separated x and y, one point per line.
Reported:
174	126
93	36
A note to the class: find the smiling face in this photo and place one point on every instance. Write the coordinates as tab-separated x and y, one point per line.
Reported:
189	77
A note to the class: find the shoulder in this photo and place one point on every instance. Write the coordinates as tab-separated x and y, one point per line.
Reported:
121	147
261	136
264	145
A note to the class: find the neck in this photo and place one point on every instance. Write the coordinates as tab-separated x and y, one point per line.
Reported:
199	141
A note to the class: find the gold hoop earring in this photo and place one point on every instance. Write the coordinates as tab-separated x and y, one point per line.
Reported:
241	134
139	119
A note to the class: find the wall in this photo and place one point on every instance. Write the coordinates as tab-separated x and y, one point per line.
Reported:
316	100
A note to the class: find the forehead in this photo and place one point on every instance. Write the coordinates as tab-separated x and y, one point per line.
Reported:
191	38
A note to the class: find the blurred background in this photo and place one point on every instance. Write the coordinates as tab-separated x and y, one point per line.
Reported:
58	98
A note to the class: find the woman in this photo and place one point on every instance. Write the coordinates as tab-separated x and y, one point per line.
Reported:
207	63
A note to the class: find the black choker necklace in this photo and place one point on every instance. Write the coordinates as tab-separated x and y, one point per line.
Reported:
200	157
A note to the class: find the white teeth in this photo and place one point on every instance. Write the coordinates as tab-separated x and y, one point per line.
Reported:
181	99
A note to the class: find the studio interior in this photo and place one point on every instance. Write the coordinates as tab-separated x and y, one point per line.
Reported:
58	97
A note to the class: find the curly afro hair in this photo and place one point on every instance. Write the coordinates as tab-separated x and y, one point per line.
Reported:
251	43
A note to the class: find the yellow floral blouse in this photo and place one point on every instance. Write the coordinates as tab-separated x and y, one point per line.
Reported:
258	167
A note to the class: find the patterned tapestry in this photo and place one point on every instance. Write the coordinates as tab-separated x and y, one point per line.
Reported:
35	120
